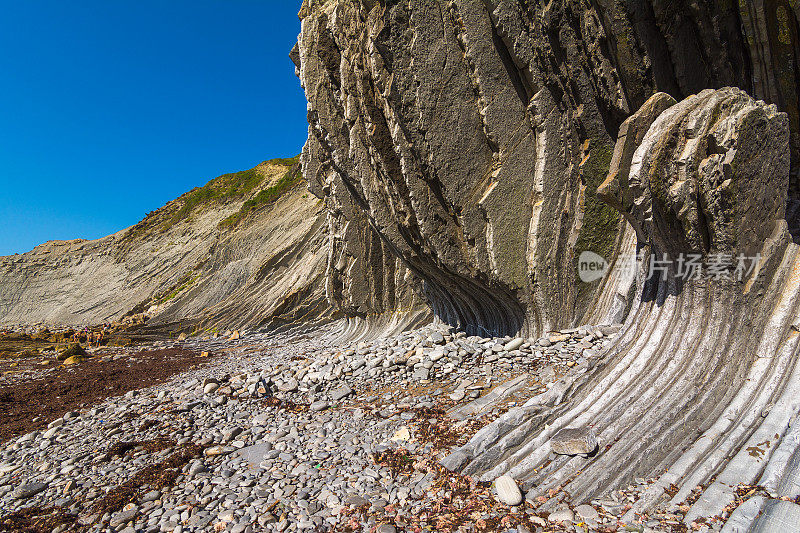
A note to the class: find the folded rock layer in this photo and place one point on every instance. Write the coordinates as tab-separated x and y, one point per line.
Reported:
488	145
463	142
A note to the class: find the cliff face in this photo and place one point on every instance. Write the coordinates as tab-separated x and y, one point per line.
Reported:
490	143
463	142
246	249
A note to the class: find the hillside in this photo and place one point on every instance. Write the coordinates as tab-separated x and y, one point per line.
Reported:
244	249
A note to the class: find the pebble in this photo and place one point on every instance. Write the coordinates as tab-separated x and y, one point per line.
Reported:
507	490
29	489
319	405
587	512
310	457
574	441
563	515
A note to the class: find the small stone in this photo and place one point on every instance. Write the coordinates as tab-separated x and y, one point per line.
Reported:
69	486
507	490
402	435
9	467
458	395
355	500
514	344
386	528
340	392
288	386
231	433
587	512
73	360
421	373
219	450
574	441
211	387
124	517
151	496
564	515
320	405
29	489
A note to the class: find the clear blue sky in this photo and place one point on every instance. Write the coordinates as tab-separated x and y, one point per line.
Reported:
111	108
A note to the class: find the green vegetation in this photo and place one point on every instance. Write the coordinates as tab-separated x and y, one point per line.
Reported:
285	161
224	187
600	221
265	197
220	189
186	282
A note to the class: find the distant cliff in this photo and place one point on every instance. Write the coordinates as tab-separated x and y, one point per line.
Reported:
246	249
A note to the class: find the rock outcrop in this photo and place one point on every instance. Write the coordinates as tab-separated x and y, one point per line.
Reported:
464	141
487	145
706	370
245	250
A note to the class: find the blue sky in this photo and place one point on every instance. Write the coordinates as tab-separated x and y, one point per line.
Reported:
109	109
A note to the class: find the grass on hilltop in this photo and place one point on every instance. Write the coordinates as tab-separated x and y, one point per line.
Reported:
265	197
224	187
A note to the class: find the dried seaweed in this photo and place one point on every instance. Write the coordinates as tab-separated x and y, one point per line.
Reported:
151	446
36	520
155	476
286	405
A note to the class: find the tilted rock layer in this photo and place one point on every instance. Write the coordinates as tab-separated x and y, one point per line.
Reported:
488	144
464	141
707	366
206	259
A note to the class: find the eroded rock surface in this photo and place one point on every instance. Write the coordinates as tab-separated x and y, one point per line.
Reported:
204	259
463	142
687	390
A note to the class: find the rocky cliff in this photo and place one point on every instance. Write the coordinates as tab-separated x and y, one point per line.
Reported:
463	142
487	144
246	249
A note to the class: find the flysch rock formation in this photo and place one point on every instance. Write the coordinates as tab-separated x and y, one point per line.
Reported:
468	138
487	145
463	155
705	370
203	260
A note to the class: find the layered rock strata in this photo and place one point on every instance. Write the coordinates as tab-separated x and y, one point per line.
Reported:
701	388
218	264
463	141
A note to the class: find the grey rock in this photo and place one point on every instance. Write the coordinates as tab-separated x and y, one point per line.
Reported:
340	393
587	512
574	441
507	490
319	405
513	344
124	517
289	386
29	489
560	516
